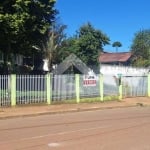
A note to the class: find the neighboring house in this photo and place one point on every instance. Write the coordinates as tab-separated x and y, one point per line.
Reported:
114	65
119	63
16	58
121	59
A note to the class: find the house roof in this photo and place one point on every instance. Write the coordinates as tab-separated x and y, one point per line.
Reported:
114	57
69	61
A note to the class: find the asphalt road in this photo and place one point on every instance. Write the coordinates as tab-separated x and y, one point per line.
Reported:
109	129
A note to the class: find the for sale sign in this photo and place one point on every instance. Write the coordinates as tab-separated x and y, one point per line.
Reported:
89	80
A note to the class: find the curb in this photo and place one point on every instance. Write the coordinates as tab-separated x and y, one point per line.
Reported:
68	111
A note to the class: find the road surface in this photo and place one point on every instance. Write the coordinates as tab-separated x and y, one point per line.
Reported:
109	129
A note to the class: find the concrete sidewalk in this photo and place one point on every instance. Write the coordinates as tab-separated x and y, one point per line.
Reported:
23	111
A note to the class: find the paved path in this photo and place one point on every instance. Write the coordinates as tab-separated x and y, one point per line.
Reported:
107	129
23	111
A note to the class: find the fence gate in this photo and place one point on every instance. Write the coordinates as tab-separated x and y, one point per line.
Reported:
134	86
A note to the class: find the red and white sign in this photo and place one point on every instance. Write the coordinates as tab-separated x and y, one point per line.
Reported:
89	80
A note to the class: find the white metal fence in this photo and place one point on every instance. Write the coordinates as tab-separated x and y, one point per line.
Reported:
63	87
111	86
5	90
31	89
89	90
134	86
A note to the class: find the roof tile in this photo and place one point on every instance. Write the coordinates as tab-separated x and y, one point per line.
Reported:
114	57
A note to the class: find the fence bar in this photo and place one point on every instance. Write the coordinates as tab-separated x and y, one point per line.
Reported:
77	82
149	85
13	90
101	87
120	88
48	85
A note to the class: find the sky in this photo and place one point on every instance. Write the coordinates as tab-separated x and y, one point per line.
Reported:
118	19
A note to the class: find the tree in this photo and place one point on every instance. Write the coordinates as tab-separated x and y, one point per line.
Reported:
23	24
87	44
91	42
116	44
55	37
141	48
68	46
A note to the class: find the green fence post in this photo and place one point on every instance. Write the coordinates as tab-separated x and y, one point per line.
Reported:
48	88
13	89
101	88
149	85
120	86
77	82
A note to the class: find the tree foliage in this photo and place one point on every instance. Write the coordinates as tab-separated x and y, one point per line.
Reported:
141	48
91	42
86	44
24	23
68	46
116	45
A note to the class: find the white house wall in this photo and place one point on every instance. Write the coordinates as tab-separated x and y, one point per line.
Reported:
123	70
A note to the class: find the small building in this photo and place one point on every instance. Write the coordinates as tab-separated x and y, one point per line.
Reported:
121	59
72	64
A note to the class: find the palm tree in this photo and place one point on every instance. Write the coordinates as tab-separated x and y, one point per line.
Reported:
116	44
55	37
